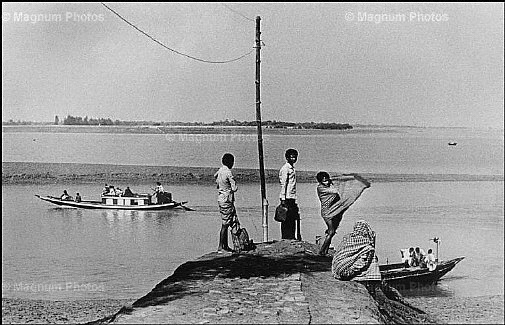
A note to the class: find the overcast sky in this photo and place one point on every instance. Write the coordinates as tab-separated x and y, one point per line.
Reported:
418	64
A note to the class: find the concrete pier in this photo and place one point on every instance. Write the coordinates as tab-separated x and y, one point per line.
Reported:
280	282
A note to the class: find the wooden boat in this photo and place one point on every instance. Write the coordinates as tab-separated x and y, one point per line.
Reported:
401	277
138	202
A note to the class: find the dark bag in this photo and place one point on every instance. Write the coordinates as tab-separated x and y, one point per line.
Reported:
281	213
241	241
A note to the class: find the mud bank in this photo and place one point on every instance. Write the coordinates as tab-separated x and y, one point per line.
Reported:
53	173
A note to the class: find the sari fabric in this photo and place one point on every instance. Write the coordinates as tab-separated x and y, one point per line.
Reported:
355	253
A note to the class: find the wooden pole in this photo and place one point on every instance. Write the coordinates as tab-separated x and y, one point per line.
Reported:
264	201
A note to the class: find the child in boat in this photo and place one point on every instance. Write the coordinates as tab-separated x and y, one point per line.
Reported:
78	198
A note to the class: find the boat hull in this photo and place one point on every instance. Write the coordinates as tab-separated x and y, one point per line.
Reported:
100	206
415	277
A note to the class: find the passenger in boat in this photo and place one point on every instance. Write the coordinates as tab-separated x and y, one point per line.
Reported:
65	196
290	228
105	190
405	256
112	190
419	255
118	191
226	187
412	257
355	257
430	261
159	191
128	192
335	199
78	198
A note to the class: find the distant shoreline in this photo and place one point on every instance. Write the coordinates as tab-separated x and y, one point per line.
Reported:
14	173
152	129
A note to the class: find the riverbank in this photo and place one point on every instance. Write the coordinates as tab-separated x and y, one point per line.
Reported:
23	311
279	282
70	173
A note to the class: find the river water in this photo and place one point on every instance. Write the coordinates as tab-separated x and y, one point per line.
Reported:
60	253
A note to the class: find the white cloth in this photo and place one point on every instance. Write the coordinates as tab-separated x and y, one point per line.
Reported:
287	173
226	185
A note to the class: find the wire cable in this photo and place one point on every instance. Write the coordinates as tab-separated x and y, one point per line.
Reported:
168	48
238	13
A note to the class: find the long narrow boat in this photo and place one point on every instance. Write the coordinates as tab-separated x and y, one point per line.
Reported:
117	203
401	277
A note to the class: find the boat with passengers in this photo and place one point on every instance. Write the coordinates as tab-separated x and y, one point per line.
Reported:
142	201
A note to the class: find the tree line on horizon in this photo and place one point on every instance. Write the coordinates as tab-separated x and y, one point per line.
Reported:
78	120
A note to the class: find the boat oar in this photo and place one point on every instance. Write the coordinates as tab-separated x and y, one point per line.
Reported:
187	209
184	207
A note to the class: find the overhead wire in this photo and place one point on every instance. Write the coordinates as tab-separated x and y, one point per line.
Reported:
237	12
168	48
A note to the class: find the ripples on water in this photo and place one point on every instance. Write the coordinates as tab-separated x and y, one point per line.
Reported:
60	253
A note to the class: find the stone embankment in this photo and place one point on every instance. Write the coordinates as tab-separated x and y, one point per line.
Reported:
279	282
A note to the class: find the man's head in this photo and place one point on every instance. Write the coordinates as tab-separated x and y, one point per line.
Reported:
291	156
228	160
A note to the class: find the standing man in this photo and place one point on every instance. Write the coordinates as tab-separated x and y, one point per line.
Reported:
226	187
287	178
159	191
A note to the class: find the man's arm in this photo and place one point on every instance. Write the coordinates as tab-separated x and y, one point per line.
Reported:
233	184
283	179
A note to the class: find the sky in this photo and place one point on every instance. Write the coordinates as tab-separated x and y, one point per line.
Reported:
417	64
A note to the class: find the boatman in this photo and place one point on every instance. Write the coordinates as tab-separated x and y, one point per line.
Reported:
159	191
226	187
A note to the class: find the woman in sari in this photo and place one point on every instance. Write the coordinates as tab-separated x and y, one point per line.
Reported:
355	258
335	199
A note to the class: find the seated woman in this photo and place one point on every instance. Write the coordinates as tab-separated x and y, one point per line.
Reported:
355	258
